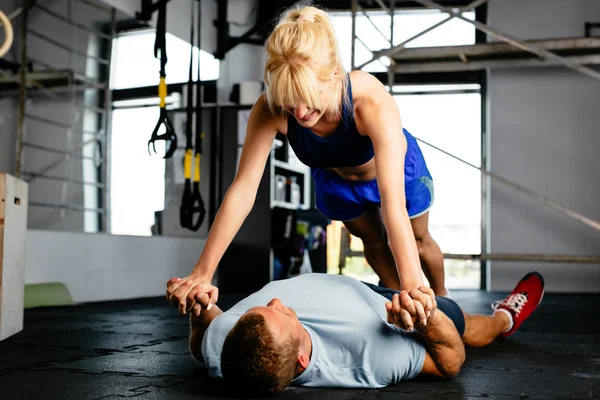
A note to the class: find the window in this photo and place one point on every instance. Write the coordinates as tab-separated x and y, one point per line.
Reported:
406	24
446	116
451	121
134	64
138	178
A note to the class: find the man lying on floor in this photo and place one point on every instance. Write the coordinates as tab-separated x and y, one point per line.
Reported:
334	331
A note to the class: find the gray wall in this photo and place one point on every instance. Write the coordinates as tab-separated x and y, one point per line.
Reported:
98	267
544	134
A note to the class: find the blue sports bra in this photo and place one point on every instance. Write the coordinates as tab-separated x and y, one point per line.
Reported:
343	148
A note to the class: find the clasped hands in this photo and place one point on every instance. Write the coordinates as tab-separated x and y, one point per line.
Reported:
192	294
413	309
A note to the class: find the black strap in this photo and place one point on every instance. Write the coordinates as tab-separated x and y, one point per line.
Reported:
160	51
192	210
160	44
199	207
187	198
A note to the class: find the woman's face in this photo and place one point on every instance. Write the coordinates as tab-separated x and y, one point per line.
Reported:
308	117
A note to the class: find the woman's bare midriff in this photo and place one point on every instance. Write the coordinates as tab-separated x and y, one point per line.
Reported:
365	172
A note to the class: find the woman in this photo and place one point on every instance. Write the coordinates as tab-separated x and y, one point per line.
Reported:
347	128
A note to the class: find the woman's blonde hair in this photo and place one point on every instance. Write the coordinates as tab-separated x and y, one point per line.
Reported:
301	51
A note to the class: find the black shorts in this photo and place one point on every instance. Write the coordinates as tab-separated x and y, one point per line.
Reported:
444	304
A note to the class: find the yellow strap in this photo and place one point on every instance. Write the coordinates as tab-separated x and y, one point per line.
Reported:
162	92
187	164
197	170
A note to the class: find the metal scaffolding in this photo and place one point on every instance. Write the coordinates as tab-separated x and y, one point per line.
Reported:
573	53
85	132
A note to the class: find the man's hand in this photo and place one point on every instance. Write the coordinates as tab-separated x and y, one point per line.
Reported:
407	310
192	293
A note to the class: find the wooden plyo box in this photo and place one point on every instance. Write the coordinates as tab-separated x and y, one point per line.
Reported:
13	229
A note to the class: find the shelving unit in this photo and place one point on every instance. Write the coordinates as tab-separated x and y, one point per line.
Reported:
290	167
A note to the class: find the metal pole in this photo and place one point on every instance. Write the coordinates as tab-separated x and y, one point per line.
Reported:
527	257
62	179
367	47
22	87
382	5
69	132
448	66
390	72
108	129
96	5
67	48
67	156
70	22
544	200
401	46
58	151
59	124
390	52
74	207
542	53
353	47
374	25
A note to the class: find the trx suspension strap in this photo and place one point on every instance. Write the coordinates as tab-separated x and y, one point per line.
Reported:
191	201
160	51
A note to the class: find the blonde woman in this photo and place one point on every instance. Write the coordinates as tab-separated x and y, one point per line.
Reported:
368	171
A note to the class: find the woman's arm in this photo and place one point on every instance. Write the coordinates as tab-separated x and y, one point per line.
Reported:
240	196
236	206
379	118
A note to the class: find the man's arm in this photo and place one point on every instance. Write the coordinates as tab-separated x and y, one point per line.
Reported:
198	326
445	350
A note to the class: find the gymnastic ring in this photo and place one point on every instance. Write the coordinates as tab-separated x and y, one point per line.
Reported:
8	31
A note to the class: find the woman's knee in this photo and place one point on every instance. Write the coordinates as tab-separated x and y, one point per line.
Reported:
423	241
375	239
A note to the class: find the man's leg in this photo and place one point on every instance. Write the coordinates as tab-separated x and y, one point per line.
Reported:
432	259
509	314
370	228
481	330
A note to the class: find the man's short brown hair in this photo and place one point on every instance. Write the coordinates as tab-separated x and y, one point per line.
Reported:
254	360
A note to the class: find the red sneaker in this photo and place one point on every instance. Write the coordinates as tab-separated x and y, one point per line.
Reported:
523	300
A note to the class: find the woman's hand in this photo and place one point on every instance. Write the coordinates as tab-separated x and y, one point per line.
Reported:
408	309
185	293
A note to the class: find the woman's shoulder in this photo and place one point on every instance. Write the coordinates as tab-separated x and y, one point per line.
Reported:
367	90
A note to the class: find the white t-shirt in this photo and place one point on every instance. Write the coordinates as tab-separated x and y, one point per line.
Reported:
352	344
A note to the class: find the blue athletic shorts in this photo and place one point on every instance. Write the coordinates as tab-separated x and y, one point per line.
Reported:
344	200
444	304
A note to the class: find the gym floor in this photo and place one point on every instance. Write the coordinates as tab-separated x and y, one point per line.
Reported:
138	349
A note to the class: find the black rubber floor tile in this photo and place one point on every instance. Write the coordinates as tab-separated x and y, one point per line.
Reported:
22	355
426	389
138	349
532	384
519	356
59	385
141	363
174	346
89	339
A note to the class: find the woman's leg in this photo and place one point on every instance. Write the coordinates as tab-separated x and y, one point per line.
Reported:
370	229
481	330
432	259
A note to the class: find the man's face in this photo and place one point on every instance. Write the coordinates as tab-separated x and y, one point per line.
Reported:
281	320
